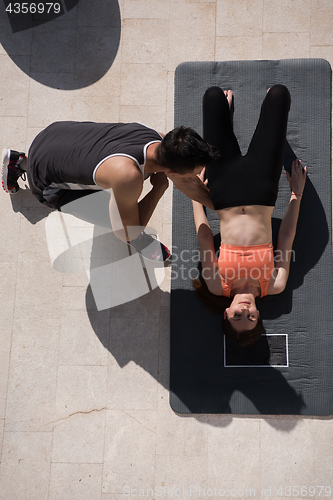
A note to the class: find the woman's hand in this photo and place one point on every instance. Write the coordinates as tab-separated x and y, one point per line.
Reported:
193	187
297	178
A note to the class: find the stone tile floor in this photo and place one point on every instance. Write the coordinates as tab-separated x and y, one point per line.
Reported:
84	412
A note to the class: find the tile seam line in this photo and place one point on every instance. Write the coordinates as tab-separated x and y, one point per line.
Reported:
63	3
168	56
78	463
104	437
262	26
313	450
28	431
11	334
121	42
310	29
215	27
55	391
167	83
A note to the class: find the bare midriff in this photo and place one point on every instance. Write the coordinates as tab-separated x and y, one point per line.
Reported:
246	225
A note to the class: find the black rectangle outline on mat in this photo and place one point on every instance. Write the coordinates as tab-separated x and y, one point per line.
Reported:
258	366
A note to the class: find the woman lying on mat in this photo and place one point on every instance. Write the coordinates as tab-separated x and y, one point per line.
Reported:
244	190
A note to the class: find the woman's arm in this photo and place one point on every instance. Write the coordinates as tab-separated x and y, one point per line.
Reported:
288	226
210	270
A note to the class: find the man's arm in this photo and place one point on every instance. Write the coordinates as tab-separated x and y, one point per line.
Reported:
147	205
193	188
129	216
287	229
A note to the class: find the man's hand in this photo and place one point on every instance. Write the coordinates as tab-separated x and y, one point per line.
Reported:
160	182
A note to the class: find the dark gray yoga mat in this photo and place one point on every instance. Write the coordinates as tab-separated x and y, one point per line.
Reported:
289	371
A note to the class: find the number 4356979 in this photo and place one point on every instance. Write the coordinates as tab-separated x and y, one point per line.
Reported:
33	8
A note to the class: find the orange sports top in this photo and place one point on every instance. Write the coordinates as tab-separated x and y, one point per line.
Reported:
254	261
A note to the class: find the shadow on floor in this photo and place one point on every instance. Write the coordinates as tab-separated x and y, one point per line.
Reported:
141	340
138	332
65	50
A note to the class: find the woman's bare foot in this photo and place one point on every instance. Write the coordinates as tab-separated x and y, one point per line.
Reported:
228	94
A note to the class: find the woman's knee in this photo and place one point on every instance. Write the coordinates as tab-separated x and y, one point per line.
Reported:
214	94
280	92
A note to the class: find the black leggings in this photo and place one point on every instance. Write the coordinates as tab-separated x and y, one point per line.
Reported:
253	179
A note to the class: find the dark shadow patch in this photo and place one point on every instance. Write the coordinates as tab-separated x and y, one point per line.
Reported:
200	383
68	50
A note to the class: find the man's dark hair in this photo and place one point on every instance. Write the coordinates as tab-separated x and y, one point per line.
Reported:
182	149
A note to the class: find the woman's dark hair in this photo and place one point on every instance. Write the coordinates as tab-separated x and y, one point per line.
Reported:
218	304
246	338
182	149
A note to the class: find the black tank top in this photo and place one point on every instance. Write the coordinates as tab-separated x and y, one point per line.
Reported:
67	154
